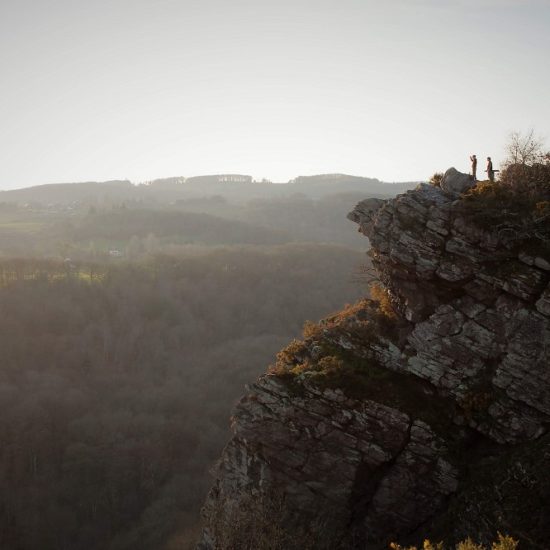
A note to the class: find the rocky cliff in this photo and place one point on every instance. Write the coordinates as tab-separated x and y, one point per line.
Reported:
424	411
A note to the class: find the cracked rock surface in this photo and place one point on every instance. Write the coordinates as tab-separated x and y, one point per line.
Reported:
458	388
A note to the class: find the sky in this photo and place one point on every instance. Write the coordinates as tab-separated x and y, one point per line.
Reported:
143	89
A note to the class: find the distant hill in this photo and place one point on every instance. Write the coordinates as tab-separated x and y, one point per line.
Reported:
236	187
332	178
167	182
70	192
323	184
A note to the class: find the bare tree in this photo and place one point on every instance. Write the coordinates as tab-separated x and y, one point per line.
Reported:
525	149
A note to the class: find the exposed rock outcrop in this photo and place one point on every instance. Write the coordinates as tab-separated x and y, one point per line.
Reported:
381	418
455	182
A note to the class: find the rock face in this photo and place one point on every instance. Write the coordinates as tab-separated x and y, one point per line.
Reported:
423	414
455	182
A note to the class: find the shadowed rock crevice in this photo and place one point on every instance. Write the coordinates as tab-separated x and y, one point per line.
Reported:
366	484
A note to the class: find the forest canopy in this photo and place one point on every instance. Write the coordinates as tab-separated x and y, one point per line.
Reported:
115	388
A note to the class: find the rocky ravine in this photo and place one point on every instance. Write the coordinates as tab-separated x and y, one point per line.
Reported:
428	420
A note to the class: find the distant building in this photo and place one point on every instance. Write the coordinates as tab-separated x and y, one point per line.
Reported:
235	178
220	178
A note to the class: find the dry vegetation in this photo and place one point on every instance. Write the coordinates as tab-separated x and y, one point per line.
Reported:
320	355
517	211
503	542
436	178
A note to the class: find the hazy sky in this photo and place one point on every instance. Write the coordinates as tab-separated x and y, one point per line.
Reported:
138	89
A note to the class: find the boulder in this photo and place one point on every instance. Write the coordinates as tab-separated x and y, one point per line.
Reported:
455	182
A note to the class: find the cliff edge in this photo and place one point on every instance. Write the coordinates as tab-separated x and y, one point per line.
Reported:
421	412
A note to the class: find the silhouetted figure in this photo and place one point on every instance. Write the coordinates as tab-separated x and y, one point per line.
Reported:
473	158
490	171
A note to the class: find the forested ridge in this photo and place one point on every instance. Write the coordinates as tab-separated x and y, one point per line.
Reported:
116	383
87	220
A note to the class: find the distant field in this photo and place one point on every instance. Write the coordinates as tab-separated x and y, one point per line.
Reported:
23	226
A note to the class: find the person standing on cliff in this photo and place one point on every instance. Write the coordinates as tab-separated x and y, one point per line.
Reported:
473	158
490	171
